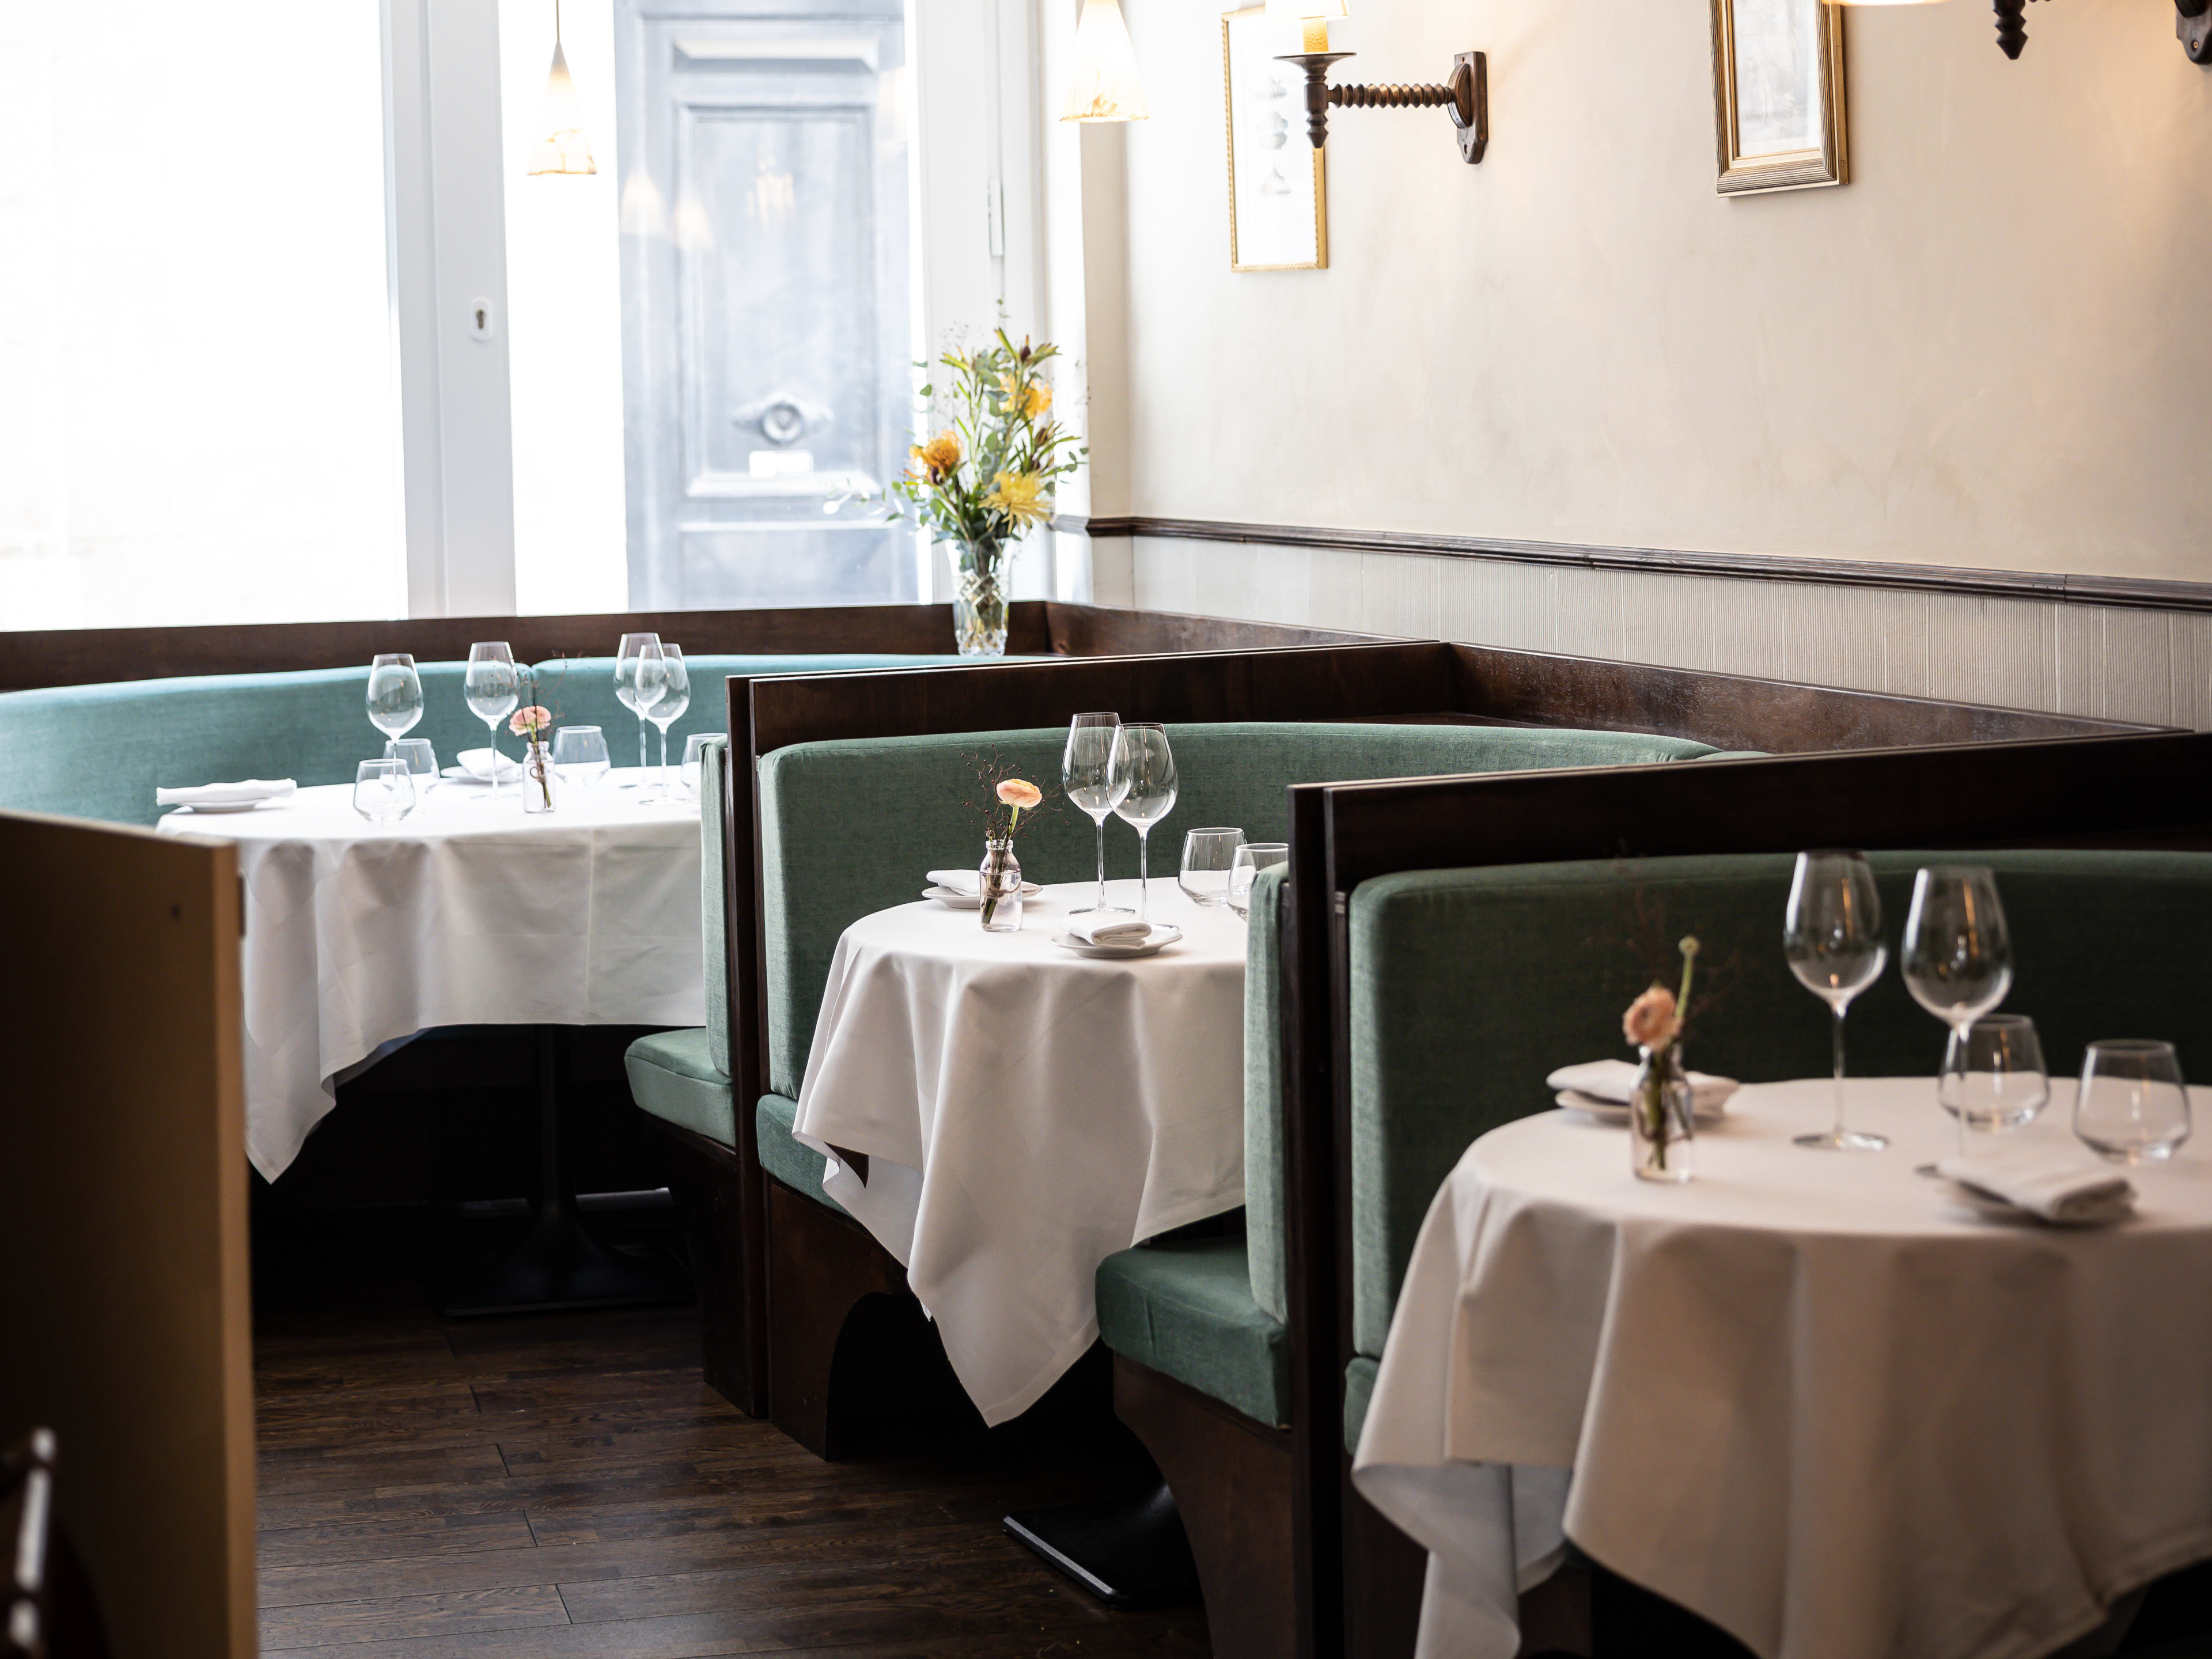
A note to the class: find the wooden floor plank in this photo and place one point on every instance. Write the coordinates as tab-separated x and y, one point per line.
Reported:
445	1615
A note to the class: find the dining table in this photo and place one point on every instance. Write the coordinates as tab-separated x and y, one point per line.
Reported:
467	911
1829	1401
1021	1111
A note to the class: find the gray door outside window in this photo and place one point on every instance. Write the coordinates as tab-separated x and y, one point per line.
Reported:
766	309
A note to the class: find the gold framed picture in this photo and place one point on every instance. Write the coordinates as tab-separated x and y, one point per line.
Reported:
1779	94
1278	202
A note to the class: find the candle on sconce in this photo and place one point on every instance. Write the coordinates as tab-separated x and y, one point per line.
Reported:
1312	18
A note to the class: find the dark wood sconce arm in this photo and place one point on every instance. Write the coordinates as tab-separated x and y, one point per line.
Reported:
1466	95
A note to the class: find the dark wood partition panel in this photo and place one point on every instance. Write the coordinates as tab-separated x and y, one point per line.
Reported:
125	1309
1037	628
2115	790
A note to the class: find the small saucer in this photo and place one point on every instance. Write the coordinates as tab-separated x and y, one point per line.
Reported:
953	899
211	807
1616	1111
1163	934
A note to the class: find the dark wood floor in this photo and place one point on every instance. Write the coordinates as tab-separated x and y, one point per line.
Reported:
569	1485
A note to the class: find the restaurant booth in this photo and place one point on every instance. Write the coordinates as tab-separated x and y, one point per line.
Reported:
1467	828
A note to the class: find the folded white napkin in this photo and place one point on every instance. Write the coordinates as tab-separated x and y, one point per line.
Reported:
1106	927
958	881
226	794
1613	1079
2053	1182
475	764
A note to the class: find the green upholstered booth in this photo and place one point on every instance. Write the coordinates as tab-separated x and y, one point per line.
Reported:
99	751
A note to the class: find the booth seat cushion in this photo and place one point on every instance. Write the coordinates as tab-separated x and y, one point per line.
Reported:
787	1157
1184	1307
850	826
672	1076
1359	1391
1468	986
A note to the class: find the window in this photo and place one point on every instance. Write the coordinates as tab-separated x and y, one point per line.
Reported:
198	415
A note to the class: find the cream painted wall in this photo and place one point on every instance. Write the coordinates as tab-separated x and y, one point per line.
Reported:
1989	349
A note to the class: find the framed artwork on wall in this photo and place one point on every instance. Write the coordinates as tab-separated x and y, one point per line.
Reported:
1278	203
1779	94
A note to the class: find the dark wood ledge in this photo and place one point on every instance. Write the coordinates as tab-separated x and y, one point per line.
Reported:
2138	593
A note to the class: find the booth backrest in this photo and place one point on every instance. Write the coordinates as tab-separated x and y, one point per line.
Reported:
850	826
99	752
714	921
1469	986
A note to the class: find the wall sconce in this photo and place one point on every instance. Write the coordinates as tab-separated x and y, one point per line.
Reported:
1466	95
2192	23
1104	86
562	147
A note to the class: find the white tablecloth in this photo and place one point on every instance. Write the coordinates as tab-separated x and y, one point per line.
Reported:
1027	1112
1805	1395
465	913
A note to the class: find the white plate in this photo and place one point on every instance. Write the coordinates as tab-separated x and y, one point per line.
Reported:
1615	1111
462	774
224	805
1163	934
953	899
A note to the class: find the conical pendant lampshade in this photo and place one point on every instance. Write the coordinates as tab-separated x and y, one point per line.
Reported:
563	149
1104	87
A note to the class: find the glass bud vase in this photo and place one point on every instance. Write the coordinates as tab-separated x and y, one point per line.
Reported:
999	883
541	788
979	600
1660	1123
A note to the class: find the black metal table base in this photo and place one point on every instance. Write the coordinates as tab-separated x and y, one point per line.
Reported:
558	1264
1128	1552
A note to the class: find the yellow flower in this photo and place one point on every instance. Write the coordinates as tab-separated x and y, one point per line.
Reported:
1020	496
1030	401
939	456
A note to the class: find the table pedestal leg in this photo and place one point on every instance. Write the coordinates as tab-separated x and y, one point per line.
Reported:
1127	1552
559	1264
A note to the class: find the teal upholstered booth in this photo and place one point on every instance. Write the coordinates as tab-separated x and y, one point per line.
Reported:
99	751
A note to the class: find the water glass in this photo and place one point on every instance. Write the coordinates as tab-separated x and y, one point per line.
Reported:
492	686
383	791
694	747
395	694
1086	778
1994	1077
422	759
1832	935
641	672
1250	859
1208	857
579	756
2133	1107
1144	786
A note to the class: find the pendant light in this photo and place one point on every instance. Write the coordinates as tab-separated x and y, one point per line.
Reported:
563	148
1104	87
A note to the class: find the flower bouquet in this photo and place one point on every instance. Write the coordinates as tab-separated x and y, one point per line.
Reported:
987	476
1660	1119
535	725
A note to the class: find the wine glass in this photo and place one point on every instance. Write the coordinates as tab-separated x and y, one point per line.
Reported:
628	656
1958	951
1831	934
579	756
383	791
1086	777
1994	1077
1144	784
668	709
1251	859
2133	1107
1208	856
395	694
493	687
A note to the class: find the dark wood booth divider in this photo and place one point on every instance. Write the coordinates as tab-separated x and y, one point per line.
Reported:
2152	790
1418	682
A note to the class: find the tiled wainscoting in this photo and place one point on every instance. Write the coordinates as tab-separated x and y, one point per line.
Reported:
2112	661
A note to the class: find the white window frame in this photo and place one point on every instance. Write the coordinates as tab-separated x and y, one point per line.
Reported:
978	159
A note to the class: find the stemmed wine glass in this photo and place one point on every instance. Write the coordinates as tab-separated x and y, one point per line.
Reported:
395	695
628	656
668	709
1832	933
1144	784
1086	777
1957	951
493	687
640	675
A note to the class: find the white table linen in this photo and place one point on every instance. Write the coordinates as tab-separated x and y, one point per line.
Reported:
466	912
1026	1112
1807	1396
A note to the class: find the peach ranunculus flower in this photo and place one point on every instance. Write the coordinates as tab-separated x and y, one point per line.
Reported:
531	722
1020	794
1650	1022
940	456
